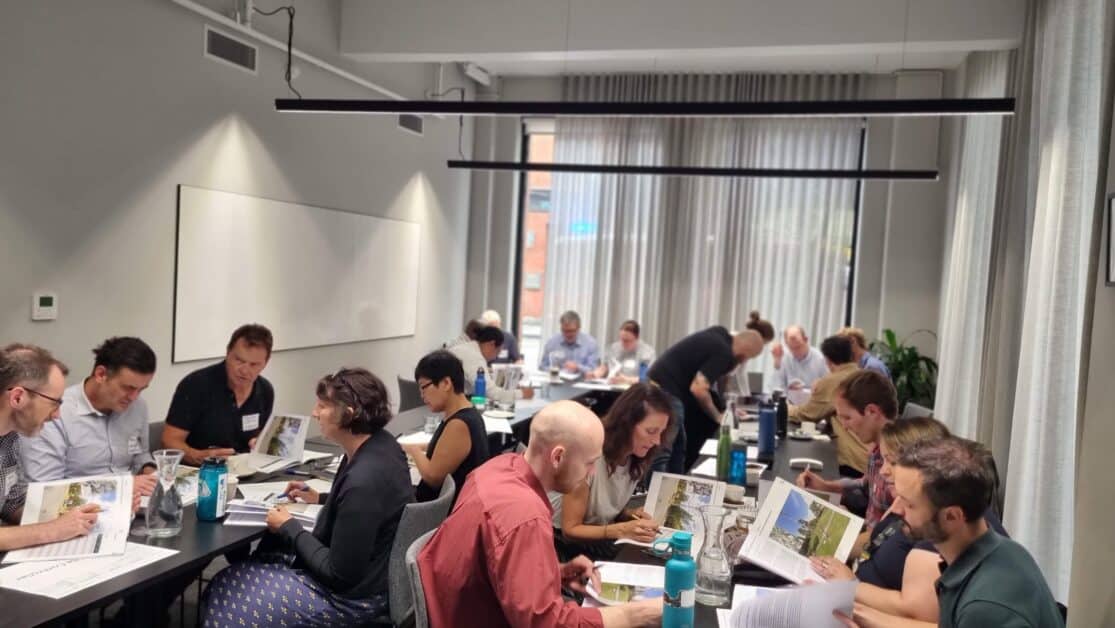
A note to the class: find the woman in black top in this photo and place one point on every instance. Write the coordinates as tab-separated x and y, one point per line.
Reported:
338	573
460	443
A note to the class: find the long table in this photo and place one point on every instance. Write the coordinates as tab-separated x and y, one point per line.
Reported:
786	449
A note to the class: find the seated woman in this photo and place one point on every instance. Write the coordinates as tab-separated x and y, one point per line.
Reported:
338	573
594	515
896	573
625	355
460	443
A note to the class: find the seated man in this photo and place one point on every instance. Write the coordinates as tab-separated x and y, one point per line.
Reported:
805	364
626	355
942	490
865	402
492	562
509	351
573	351
851	453
218	410
103	427
476	348
31	385
864	358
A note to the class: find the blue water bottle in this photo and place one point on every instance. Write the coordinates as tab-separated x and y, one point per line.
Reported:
768	418
212	489
644	366
680	591
737	469
480	389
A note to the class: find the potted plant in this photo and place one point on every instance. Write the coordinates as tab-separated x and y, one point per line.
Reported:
914	374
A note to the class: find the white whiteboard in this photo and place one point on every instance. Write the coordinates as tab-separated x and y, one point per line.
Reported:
313	276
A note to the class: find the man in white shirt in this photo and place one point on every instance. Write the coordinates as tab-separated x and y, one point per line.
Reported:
804	364
103	429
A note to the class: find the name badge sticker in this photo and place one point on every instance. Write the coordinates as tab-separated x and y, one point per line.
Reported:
134	446
249	422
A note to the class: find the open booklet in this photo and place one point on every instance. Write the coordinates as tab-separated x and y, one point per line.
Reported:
792	525
626	582
675	501
246	512
186	483
280	445
809	606
109	536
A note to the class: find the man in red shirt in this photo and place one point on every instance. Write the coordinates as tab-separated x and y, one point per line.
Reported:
492	563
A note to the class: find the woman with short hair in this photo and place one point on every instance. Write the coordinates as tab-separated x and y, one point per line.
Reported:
338	572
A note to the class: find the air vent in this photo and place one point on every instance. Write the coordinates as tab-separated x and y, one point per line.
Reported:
228	50
411	123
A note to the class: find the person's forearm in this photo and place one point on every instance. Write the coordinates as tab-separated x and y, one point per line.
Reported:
427	472
190	455
16	537
629	616
887	600
705	401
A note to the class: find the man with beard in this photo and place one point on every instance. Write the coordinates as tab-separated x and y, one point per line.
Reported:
942	490
492	562
31	386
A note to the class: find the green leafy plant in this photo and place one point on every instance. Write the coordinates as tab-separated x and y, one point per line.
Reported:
914	374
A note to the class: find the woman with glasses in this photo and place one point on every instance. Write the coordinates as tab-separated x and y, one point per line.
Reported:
460	443
590	519
336	574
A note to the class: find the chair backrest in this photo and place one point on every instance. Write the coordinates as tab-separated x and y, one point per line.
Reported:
417	519
755	381
155	435
409	395
421	616
914	410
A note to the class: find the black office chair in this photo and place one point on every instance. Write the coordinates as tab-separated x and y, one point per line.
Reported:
409	395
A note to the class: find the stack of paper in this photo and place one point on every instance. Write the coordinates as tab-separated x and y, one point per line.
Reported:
797	607
268	492
59	578
244	512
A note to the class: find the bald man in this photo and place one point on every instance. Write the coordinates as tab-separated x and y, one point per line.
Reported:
493	560
687	371
805	364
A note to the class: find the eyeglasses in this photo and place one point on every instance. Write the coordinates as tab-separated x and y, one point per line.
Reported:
422	387
55	400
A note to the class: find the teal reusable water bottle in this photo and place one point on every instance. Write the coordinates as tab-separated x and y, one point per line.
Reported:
212	489
681	583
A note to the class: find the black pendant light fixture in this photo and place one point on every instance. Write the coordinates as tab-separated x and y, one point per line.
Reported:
696	171
770	109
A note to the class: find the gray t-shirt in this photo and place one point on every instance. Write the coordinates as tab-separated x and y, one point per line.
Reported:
628	361
608	495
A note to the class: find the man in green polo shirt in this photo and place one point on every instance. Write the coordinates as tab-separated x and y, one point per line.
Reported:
942	489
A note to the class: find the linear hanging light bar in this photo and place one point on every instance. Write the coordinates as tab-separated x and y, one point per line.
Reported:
807	108
694	171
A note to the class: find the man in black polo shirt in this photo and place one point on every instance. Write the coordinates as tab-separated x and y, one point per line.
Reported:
942	489
219	410
687	371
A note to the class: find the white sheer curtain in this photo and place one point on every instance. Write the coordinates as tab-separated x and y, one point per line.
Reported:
966	282
1069	73
679	254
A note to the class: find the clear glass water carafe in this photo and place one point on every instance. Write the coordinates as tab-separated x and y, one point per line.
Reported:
164	509
714	571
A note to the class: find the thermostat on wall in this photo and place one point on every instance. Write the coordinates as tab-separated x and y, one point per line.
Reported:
44	306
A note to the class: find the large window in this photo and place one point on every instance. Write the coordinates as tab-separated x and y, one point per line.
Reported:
535	205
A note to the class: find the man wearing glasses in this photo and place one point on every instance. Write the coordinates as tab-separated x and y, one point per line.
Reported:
31	385
103	424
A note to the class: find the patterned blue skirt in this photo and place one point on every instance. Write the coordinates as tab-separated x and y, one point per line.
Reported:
256	594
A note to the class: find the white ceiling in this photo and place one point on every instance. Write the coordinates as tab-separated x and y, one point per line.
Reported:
727	62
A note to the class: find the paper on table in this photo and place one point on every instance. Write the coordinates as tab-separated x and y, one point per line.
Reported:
626	582
415	438
740	593
496	425
47	500
810	605
59	578
259	492
674	502
308	455
710	446
707	467
793	525
798	397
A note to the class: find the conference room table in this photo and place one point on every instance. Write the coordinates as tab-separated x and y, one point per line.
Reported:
785	450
